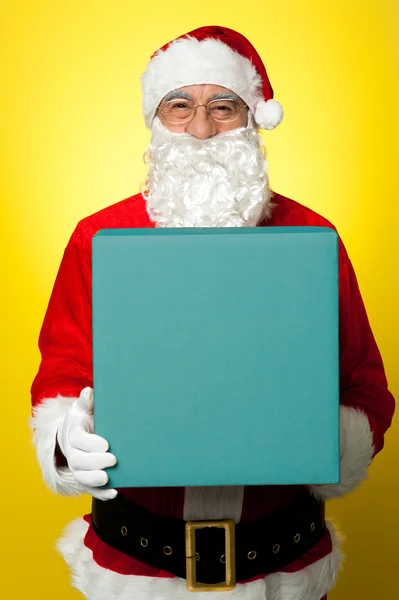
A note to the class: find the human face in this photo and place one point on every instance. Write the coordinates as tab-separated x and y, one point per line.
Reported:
202	126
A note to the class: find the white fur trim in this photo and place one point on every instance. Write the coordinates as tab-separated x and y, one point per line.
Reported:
213	502
188	61
268	114
97	583
45	421
357	452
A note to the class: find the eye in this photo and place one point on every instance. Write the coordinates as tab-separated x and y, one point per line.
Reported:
179	105
224	107
224	110
178	110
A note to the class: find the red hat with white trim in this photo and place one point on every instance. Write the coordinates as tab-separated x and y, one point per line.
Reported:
211	55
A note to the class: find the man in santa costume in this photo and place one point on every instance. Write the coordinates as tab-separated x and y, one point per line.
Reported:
205	96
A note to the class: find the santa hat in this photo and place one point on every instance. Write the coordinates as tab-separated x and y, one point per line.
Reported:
211	55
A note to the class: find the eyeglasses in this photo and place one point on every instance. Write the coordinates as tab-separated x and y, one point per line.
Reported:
181	111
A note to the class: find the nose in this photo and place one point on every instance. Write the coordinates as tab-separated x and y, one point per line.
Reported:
202	126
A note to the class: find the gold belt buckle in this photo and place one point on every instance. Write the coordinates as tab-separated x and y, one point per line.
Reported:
191	559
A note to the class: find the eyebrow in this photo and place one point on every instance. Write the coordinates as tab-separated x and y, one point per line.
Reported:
177	94
180	94
230	96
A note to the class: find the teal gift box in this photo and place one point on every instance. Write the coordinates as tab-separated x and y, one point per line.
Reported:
216	355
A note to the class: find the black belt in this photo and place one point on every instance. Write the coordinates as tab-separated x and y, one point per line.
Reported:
261	546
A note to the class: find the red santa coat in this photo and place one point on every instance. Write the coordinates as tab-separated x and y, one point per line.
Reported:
66	368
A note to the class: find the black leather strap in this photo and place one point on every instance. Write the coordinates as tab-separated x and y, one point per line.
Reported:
277	539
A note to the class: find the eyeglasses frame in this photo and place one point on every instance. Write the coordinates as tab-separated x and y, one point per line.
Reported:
195	106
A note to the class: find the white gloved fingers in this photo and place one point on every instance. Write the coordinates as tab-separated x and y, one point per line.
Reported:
102	494
86	400
89	442
90	461
90	478
86	452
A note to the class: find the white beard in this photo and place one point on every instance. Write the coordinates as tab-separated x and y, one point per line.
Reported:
217	182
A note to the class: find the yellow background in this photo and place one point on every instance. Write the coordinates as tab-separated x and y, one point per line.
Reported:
73	143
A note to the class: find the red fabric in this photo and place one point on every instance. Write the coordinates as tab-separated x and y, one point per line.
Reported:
66	367
237	42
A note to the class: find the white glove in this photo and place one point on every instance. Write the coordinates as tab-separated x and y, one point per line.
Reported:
86	453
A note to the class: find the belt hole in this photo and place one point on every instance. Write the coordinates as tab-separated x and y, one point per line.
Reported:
167	550
297	538
251	555
276	548
312	527
144	542
223	559
197	556
124	530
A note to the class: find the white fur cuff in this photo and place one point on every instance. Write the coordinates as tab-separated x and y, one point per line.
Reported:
357	451
45	421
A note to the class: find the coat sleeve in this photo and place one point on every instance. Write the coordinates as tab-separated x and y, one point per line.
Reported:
366	404
65	343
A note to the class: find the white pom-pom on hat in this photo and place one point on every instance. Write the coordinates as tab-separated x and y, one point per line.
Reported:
268	114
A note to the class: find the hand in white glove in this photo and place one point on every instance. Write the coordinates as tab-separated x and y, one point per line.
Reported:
86	453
